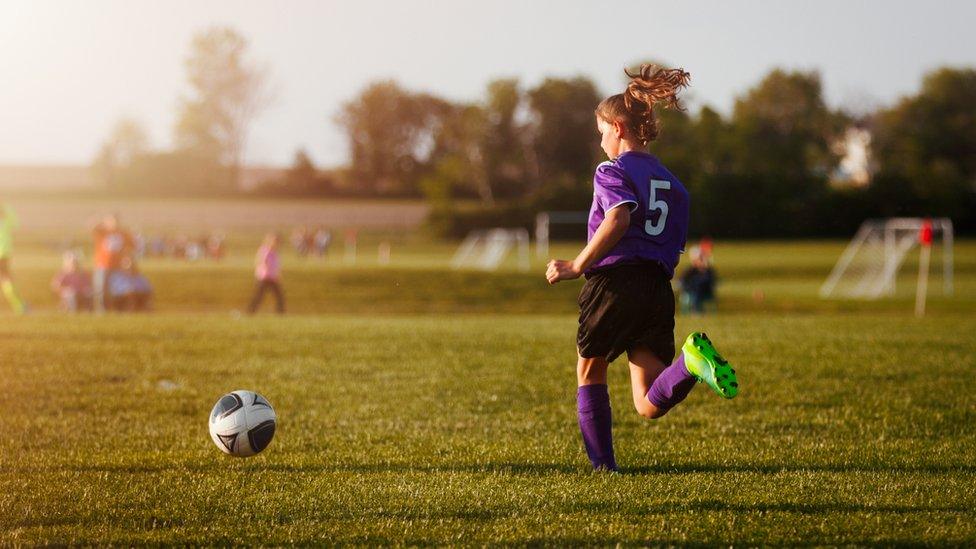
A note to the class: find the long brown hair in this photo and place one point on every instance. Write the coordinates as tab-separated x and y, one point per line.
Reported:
650	86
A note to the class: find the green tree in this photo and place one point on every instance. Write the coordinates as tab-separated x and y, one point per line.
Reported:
769	163
506	147
783	127
925	146
126	142
482	148
228	92
391	134
302	177
458	156
563	138
711	138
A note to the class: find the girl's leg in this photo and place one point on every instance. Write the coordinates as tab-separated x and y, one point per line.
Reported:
257	297
279	297
99	278
645	368
7	285
670	387
13	298
593	411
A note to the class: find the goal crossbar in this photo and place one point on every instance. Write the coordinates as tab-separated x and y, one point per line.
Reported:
868	267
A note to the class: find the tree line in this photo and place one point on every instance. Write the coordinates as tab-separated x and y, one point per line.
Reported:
769	168
228	91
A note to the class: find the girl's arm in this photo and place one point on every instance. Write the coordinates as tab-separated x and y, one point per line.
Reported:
610	231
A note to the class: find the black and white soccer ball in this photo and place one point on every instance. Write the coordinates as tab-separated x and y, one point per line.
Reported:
242	423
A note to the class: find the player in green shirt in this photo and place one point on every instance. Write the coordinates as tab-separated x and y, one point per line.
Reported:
8	222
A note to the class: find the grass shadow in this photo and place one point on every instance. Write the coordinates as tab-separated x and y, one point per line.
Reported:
771	469
502	468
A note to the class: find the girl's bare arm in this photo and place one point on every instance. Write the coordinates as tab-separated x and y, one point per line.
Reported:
610	231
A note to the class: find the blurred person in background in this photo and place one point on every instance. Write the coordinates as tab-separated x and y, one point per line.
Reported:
323	237
194	250
215	246
112	243
300	240
698	282
73	285
8	222
129	289
267	272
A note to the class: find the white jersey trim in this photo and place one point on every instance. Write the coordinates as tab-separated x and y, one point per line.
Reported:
622	202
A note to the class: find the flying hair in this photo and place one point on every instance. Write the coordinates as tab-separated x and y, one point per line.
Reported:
648	87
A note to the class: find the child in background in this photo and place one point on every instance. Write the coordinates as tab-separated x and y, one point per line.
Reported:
112	243
636	232
129	289
698	282
73	285
8	222
267	272
323	237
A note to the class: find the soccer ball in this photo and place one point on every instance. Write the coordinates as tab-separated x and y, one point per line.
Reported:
242	423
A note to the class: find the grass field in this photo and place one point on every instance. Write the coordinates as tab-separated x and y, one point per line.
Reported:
417	430
419	405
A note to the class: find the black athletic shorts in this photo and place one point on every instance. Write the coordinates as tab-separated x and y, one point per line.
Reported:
624	307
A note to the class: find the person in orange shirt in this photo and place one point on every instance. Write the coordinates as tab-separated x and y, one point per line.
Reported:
112	243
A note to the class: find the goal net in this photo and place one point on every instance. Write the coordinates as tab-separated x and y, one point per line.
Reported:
555	225
487	249
869	267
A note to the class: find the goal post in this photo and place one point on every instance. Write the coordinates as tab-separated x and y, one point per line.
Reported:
544	222
869	266
486	249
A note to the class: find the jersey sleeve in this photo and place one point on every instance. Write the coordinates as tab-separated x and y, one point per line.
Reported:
612	188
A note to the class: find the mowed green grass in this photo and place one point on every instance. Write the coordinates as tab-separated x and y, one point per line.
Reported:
758	277
448	429
424	405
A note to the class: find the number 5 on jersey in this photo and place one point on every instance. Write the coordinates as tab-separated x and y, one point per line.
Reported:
651	227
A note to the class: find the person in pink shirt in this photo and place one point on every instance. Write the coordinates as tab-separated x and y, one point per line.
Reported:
73	285
267	271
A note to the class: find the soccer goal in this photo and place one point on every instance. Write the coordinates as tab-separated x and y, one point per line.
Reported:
868	268
486	249
545	222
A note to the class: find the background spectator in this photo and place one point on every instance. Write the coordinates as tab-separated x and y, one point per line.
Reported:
129	290
73	285
698	282
112	243
267	271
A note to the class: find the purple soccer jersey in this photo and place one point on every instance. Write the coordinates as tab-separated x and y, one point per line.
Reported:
658	205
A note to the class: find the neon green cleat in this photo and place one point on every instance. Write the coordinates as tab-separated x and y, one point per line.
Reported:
704	362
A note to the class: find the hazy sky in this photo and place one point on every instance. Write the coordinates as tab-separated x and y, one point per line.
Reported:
69	69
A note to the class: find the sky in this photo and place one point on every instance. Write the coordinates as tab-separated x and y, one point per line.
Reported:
70	69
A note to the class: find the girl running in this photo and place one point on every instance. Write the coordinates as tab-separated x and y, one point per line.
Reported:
637	230
8	222
267	274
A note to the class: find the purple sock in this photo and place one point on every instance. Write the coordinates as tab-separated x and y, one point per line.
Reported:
593	409
672	386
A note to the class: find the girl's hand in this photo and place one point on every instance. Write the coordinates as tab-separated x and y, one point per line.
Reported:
560	269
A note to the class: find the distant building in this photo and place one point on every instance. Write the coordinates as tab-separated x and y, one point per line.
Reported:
856	165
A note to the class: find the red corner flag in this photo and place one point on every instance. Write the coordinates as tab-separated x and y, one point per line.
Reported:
925	233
